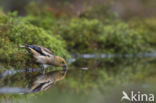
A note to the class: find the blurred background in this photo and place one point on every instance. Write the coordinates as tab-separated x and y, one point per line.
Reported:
110	46
124	8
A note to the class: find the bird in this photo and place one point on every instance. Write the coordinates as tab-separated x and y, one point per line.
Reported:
44	82
45	57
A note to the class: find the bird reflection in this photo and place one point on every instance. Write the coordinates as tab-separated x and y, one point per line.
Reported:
44	82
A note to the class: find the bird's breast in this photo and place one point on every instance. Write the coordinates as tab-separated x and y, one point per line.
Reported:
46	60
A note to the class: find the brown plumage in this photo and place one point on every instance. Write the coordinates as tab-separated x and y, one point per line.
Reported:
44	82
45	57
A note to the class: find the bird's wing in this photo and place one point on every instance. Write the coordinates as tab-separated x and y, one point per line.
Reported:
47	86
41	86
37	87
46	51
41	50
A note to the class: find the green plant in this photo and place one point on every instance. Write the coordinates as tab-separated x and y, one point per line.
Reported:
14	31
102	12
41	16
120	38
80	34
88	36
146	27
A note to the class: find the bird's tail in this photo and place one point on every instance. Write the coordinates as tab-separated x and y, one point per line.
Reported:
24	45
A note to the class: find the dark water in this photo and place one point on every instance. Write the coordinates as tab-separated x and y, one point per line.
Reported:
89	79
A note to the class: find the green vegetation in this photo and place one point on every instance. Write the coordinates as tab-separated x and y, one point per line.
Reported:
103	13
41	16
86	36
86	28
14	31
147	28
81	35
89	34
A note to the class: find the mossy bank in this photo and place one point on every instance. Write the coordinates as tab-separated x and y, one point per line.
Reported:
107	34
14	31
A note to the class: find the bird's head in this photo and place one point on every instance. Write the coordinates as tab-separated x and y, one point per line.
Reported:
61	62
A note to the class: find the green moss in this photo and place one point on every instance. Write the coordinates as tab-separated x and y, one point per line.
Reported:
119	38
146	27
80	34
95	30
88	36
41	16
1	12
101	12
15	31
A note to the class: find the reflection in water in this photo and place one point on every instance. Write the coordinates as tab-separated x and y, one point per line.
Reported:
106	56
44	82
12	72
89	56
95	79
37	82
9	90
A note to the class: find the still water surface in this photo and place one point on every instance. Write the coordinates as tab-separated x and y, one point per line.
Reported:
90	79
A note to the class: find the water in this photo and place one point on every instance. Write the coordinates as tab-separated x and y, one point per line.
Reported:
91	78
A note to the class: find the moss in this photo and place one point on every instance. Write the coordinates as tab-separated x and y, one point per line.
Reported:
146	27
1	12
80	34
91	36
41	16
102	12
15	31
94	31
119	38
